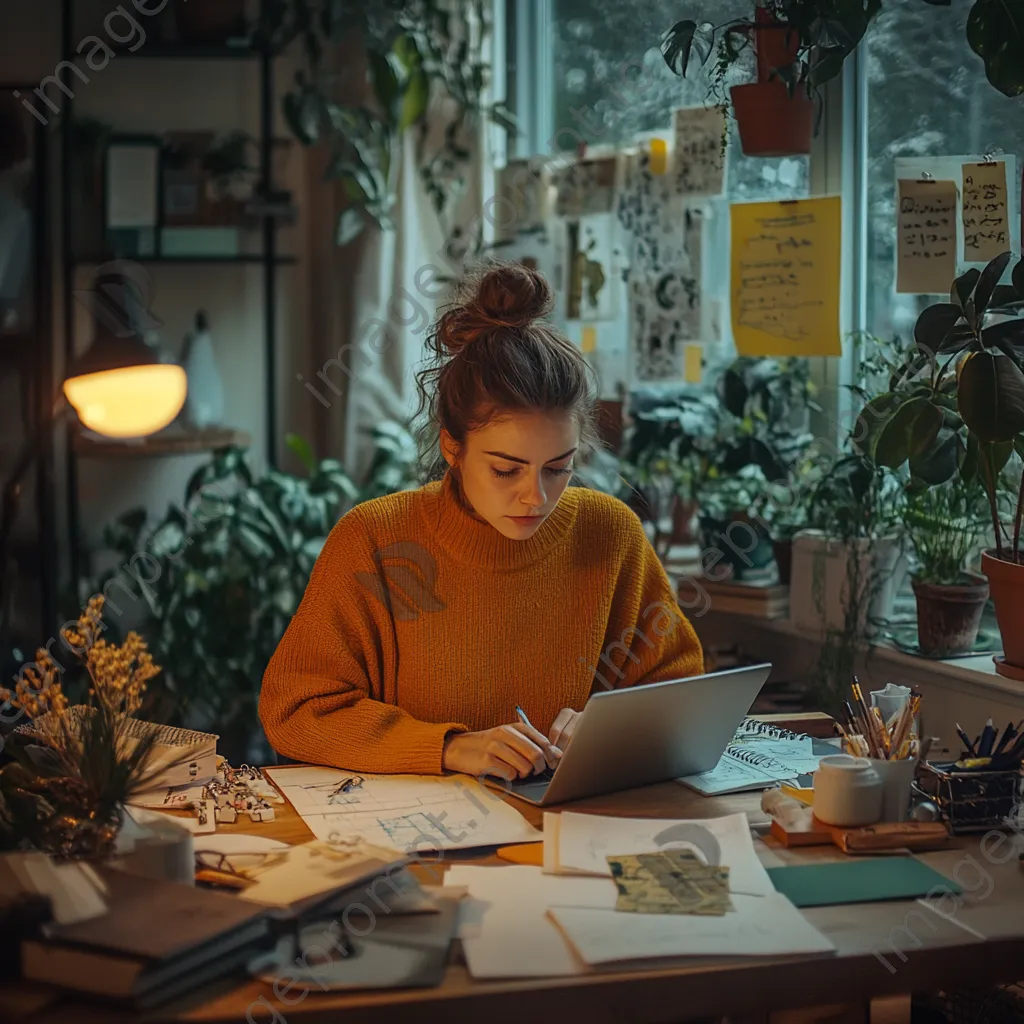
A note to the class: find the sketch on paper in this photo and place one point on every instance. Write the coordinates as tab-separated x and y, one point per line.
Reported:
592	265
698	157
402	811
586	186
665	281
522	185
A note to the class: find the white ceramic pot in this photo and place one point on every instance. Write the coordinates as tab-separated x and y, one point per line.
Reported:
820	580
847	791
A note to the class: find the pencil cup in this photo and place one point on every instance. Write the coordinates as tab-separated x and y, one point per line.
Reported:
847	791
896	776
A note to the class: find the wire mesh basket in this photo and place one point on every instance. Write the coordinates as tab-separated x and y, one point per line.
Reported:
971	801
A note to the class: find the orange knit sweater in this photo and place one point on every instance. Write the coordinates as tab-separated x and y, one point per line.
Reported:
420	620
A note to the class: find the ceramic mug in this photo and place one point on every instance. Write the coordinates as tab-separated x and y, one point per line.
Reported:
847	791
896	776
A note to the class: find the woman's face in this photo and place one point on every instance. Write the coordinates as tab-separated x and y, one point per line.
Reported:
515	469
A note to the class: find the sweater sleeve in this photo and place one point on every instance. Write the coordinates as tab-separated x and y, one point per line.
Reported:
322	694
649	640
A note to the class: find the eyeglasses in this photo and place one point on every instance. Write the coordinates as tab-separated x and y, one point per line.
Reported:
244	867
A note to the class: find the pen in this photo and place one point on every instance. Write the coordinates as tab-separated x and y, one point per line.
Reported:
522	716
968	745
988	736
1008	734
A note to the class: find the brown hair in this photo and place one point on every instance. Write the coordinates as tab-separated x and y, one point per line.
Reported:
493	353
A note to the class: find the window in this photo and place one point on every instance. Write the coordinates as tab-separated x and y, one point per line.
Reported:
927	96
595	68
594	40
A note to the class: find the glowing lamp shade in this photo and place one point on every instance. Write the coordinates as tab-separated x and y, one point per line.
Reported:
128	401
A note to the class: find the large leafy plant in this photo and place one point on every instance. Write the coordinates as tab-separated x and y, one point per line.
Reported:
956	404
827	31
943	524
234	559
409	51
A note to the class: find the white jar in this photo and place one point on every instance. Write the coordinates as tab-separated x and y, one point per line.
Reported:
847	791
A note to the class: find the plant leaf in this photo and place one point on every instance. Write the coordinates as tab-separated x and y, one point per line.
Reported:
963	287
1018	277
685	39
995	31
990	396
934	324
896	440
987	283
938	464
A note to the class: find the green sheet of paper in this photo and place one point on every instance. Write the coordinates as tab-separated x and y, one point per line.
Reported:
859	881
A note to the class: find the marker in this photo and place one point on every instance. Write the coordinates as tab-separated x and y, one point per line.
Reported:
988	737
968	745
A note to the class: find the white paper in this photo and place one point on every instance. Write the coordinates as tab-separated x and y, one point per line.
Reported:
504	926
172	796
410	813
585	840
756	763
759	926
698	164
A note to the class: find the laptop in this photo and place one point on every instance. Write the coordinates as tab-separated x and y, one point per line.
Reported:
646	734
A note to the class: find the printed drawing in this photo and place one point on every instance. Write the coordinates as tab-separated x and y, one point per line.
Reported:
664	271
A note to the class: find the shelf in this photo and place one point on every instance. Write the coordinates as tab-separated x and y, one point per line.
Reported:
178	442
244	259
187	51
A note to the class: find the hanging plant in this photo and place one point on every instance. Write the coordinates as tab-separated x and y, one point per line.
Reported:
414	53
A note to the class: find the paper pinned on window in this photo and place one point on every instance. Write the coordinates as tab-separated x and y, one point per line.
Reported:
925	236
986	211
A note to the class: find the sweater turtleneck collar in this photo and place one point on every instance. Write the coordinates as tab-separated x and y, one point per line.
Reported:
472	540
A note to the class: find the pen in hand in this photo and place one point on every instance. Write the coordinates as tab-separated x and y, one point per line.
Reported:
526	721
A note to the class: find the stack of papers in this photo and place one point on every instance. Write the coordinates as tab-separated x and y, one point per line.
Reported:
527	922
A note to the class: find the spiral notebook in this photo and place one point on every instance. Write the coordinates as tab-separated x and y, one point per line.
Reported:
759	755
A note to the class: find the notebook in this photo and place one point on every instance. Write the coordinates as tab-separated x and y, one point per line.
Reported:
864	880
759	755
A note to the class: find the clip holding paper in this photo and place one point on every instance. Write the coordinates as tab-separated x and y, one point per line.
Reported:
988	160
926	178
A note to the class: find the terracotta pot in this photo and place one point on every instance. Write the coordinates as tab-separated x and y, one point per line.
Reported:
783	558
682	520
776	43
948	617
1007	582
771	122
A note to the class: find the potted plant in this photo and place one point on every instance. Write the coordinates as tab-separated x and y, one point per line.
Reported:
659	459
799	45
845	561
943	524
761	436
786	511
802	44
956	406
728	500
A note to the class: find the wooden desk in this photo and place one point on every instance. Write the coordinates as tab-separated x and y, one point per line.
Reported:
939	953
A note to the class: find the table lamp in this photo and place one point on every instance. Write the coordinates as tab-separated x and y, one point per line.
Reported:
117	388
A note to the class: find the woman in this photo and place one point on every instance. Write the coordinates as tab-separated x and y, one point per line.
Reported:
431	614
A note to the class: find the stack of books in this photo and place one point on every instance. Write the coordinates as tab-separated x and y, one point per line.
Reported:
762	599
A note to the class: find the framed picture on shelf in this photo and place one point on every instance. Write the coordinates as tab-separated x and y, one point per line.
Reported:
22	141
131	195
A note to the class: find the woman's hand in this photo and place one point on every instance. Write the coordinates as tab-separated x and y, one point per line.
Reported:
508	751
563	727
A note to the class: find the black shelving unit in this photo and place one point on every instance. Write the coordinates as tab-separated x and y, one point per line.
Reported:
269	258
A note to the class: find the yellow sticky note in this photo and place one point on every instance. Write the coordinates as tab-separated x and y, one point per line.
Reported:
659	156
785	264
693	361
589	340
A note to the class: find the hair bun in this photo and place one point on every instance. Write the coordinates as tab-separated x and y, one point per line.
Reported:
512	295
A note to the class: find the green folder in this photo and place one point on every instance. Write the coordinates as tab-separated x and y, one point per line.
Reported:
859	881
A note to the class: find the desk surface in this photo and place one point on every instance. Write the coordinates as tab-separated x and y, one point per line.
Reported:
938	953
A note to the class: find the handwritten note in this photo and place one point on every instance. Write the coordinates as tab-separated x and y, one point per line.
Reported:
926	236
986	211
698	162
786	277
